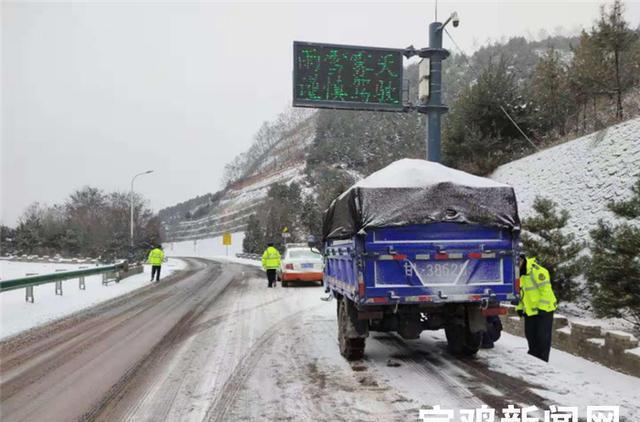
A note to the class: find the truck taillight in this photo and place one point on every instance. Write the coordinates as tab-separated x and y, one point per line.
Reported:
517	286
288	266
360	285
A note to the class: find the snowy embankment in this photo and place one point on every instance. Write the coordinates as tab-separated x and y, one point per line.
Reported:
581	176
17	315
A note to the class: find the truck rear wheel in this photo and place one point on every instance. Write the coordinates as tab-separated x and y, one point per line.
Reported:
461	341
352	348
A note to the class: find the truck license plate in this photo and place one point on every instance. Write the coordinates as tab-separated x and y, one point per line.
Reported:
440	272
443	269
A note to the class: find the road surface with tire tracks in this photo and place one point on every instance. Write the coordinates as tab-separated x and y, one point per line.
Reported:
212	343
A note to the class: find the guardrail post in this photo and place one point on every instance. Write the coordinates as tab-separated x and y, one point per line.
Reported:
59	284
104	279
81	284
29	290
29	294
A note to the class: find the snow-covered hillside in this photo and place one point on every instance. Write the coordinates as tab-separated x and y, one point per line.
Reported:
582	175
242	198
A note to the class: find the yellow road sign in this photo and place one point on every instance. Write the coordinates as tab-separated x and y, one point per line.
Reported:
226	239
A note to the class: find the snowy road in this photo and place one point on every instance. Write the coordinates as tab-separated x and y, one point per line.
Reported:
213	344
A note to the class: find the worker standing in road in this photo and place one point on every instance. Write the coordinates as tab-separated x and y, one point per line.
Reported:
537	304
271	262
156	256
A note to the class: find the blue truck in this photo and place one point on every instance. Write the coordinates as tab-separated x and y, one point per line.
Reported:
419	246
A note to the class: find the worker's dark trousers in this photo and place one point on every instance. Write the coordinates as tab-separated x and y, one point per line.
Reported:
271	277
155	272
538	329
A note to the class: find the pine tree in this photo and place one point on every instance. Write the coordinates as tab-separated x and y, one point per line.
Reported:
253	236
558	252
614	272
618	42
478	136
551	94
586	78
606	64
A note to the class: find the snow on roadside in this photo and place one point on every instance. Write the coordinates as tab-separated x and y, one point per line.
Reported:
398	377
16	315
567	380
16	269
211	248
205	248
245	261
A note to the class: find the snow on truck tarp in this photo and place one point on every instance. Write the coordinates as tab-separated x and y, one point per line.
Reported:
412	191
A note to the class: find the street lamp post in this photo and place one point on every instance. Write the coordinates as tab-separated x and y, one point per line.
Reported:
131	203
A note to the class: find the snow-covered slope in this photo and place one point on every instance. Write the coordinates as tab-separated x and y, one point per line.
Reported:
285	163
582	175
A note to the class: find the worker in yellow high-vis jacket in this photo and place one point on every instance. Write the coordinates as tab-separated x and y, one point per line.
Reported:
156	257
271	263
537	304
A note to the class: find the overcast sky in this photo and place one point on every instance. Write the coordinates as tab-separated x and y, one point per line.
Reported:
95	92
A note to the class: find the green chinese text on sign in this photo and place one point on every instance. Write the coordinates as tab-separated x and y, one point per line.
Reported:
340	76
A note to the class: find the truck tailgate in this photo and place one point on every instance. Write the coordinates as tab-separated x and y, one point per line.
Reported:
439	262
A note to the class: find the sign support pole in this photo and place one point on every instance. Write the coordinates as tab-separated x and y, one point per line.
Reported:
434	108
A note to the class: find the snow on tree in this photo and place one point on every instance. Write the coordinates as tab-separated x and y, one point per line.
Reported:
543	238
613	278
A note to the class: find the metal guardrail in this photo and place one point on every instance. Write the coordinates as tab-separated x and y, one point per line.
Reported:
58	277
254	256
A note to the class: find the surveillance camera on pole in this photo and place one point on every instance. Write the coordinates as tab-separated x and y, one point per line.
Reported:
454	19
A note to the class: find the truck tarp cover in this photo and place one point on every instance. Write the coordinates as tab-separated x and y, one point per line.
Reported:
412	191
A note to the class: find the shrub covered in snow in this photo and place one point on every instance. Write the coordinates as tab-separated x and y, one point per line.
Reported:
543	238
614	273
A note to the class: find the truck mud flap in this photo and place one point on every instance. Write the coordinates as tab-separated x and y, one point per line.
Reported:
477	321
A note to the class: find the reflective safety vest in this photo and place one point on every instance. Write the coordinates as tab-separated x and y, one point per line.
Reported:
536	292
156	256
271	258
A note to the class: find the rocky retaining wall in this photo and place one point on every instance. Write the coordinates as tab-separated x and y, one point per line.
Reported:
615	349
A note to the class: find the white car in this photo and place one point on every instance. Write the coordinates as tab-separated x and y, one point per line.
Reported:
300	263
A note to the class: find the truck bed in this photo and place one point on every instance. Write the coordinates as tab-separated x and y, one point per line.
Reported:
430	264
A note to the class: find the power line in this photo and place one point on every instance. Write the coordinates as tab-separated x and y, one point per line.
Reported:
477	75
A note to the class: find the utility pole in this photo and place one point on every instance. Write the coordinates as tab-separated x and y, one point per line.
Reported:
433	106
131	206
